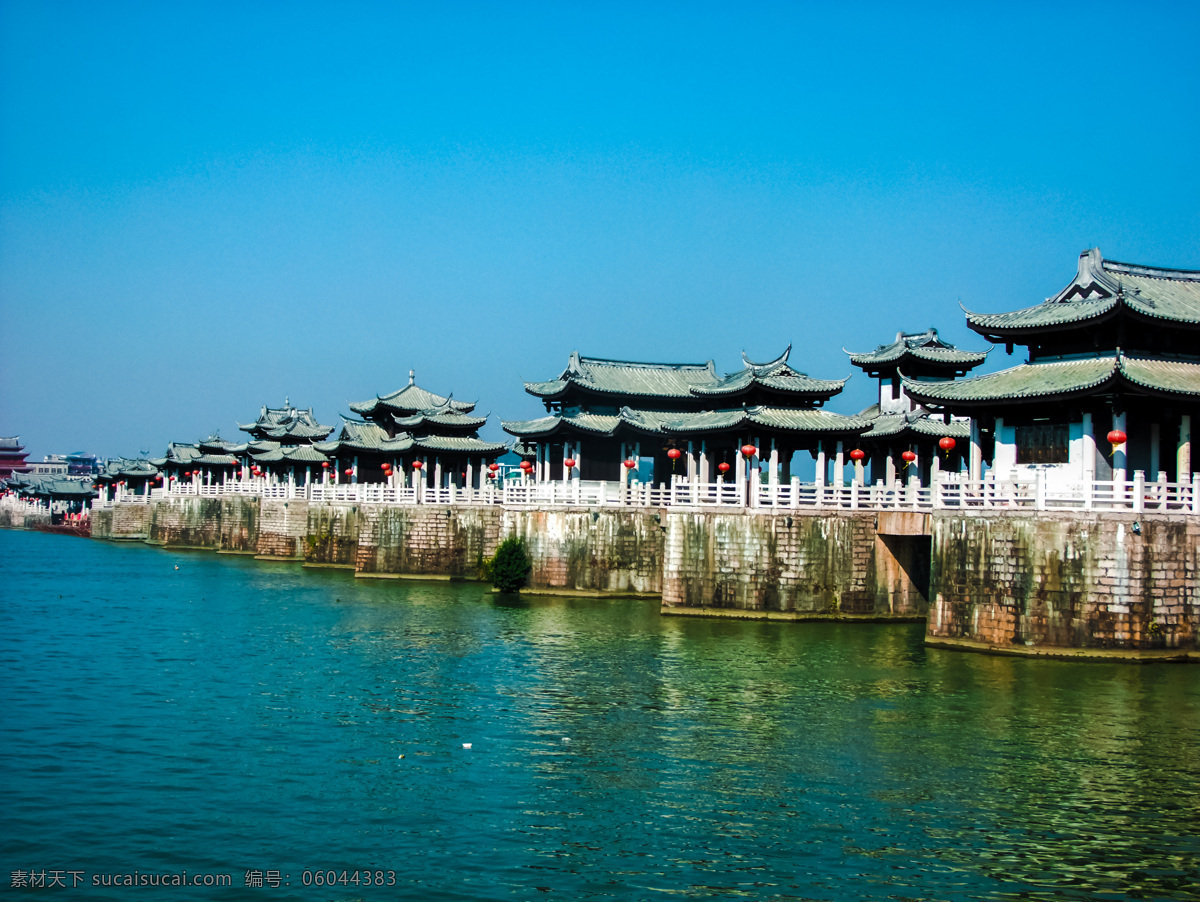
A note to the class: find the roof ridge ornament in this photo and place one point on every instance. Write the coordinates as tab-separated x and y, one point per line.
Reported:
781	359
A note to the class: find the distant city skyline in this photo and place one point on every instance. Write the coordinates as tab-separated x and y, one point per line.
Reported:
204	210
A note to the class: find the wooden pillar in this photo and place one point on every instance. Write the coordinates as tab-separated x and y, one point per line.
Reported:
1155	450
1089	448
1119	456
1183	452
975	469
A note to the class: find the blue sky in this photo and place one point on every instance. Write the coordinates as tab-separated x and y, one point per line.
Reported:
207	207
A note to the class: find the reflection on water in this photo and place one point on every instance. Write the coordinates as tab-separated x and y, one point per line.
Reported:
235	714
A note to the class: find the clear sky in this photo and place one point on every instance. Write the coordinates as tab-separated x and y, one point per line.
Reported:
205	207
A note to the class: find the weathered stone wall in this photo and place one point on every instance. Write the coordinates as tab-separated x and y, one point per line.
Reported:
227	523
281	528
426	540
784	563
1016	580
595	550
332	534
17	519
121	521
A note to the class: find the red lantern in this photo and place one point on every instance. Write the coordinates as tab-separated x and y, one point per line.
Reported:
749	450
569	463
348	471
526	466
630	464
491	475
1117	437
417	465
325	464
493	467
674	454
723	467
946	443
909	457
858	454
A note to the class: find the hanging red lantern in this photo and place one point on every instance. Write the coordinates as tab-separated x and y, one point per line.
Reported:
674	454
723	467
325	465
1116	438
493	467
858	454
491	475
630	464
569	463
749	450
946	443
417	465
526	466
348	471
909	457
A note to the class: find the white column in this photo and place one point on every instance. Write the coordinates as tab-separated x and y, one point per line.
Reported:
890	475
839	467
935	468
437	472
821	464
773	472
691	461
1089	449
1183	453
624	470
1119	456
858	472
1155	450
704	475
975	468
470	477
354	475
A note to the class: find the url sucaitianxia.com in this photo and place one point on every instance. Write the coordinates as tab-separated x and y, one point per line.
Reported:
66	878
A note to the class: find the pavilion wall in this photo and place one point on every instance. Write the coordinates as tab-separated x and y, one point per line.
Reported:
1047	582
785	566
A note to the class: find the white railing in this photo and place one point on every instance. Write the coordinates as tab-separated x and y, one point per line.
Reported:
950	492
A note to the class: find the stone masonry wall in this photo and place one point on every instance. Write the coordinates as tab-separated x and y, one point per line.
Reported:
228	523
426	540
332	534
15	519
592	550
281	528
762	562
1066	580
121	521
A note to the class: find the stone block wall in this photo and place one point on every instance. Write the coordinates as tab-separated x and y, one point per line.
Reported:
764	562
227	524
426	540
594	550
281	528
1046	580
16	519
332	534
121	521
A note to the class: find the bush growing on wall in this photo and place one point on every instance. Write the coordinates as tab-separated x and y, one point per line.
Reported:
510	567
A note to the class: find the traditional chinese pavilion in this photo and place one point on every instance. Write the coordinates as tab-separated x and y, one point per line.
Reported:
408	426
213	459
603	413
12	457
898	423
135	475
282	442
1114	363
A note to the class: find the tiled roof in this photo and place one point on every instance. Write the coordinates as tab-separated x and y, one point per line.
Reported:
116	467
294	454
776	375
917	423
216	460
625	377
410	399
50	486
287	422
450	418
1031	381
463	444
923	346
678	422
1101	286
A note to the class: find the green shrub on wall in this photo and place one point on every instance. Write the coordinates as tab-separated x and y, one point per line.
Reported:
510	567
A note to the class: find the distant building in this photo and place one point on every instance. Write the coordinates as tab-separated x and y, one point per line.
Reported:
12	457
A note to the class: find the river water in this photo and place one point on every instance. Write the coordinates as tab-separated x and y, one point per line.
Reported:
170	711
